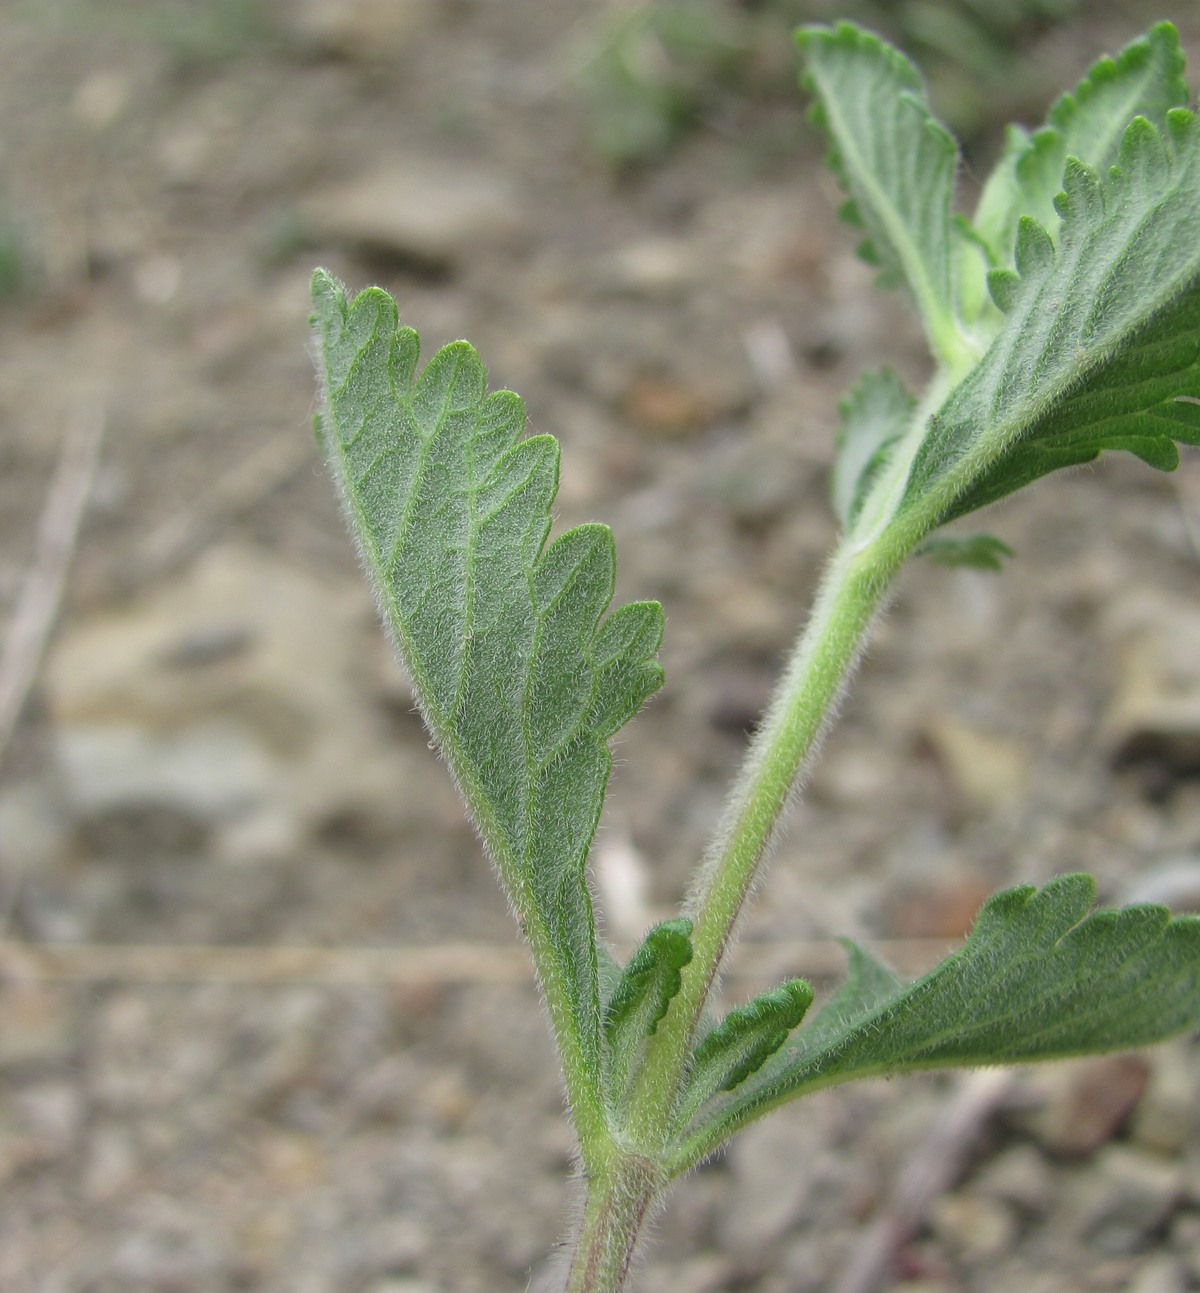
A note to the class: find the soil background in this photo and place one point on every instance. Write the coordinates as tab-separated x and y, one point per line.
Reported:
265	1023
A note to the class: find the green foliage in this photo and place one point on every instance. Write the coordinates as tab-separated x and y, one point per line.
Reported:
895	160
520	677
1092	262
1088	124
874	417
1039	978
979	551
743	1042
642	995
1063	322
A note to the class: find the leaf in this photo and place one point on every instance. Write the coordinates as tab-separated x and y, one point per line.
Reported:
868	983
1101	344
875	414
742	1042
640	999
1039	978
895	160
520	679
1146	79
978	551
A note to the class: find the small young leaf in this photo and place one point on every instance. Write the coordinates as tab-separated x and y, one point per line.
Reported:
519	677
875	414
896	161
978	551
640	999
743	1042
1100	346
1145	80
1038	979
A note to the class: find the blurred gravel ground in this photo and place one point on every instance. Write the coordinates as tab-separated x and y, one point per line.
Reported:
219	751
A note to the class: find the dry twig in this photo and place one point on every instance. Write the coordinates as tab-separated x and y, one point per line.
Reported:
41	592
933	1168
440	963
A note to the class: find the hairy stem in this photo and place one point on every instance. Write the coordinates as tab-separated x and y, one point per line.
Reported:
804	706
617	1204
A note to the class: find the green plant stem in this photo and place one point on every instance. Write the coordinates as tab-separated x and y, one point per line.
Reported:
804	705
618	1201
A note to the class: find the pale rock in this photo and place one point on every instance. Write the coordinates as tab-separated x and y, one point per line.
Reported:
1124	1197
417	209
1185	1240
1153	718
772	1168
33	829
987	771
1167	1118
1161	1275
367	31
973	1226
1018	1175
230	697
36	1025
1172	881
1078	1106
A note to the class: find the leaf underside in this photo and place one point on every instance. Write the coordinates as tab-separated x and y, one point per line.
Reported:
895	160
1038	978
874	415
1145	80
519	676
1100	345
1085	236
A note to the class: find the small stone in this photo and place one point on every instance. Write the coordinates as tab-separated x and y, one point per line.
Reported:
1162	1275
1085	1103
417	210
1174	882
365	31
987	771
1020	1176
1153	721
772	1169
33	827
224	708
1185	1240
973	1226
1168	1115
36	1027
291	1162
1125	1197
670	408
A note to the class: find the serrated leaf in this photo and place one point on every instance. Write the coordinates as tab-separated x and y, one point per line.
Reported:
1100	346
1145	80
519	677
1039	978
743	1042
874	415
977	551
641	997
896	161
